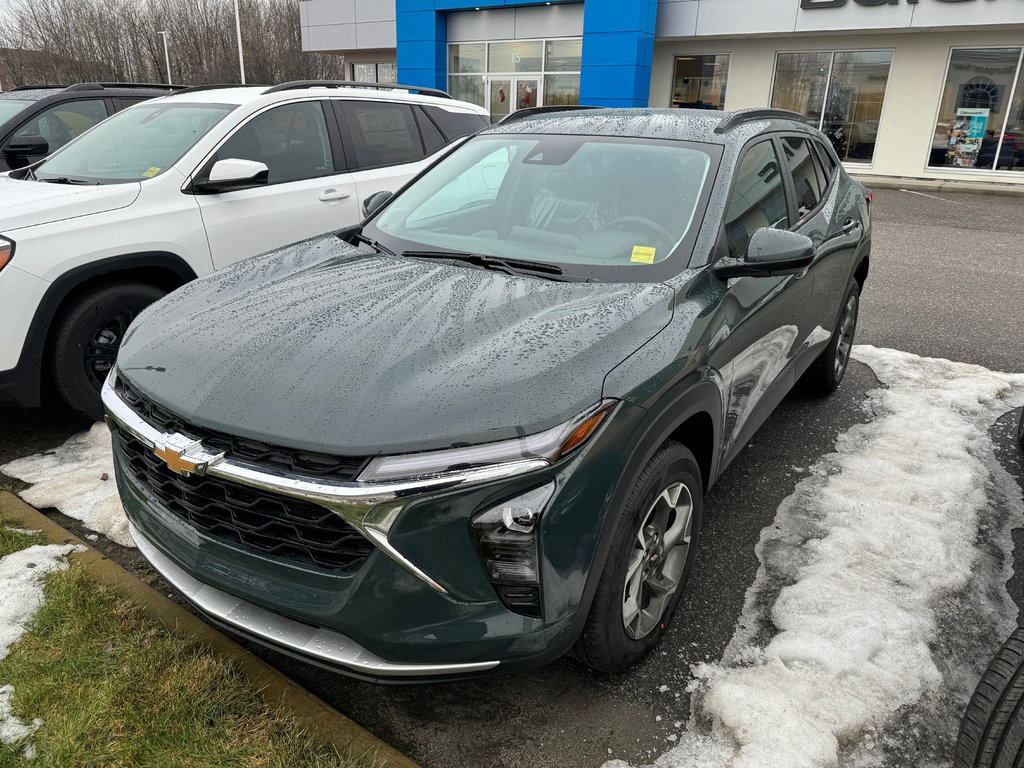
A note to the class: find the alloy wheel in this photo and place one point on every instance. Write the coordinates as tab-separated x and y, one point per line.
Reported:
101	351
846	330
657	560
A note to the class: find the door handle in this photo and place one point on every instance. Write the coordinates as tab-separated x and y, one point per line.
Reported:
334	194
850	225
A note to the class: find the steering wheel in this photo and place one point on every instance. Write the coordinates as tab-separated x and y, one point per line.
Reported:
652	227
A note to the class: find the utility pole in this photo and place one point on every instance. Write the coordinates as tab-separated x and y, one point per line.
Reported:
167	56
238	31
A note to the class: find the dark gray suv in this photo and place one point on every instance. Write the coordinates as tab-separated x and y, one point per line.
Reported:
477	430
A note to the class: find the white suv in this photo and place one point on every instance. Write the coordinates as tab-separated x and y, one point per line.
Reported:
176	187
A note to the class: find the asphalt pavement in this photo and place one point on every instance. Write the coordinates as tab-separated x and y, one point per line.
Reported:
947	280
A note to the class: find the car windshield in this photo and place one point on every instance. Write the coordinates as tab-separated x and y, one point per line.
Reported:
10	107
136	144
584	203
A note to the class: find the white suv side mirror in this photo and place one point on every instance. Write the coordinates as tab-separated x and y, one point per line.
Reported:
232	174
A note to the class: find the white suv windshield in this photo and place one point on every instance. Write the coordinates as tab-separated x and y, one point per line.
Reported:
572	200
136	144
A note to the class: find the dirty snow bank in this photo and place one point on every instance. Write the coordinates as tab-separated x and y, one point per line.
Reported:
835	633
21	585
70	478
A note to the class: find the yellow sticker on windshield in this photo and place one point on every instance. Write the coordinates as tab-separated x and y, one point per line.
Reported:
642	254
152	171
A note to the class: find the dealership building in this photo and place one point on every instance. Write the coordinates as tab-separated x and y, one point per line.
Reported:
929	89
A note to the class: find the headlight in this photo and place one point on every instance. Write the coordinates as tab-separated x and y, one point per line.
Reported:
550	445
506	537
6	251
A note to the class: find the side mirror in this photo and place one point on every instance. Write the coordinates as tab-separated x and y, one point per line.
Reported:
375	201
770	252
234	174
27	145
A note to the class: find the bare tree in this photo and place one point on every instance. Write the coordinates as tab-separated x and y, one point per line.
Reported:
65	41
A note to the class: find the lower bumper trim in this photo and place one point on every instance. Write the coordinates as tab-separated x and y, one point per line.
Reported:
324	645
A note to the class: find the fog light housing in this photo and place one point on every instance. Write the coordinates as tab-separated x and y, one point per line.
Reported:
506	537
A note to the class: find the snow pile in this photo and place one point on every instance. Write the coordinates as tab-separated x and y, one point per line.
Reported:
21	584
71	479
835	632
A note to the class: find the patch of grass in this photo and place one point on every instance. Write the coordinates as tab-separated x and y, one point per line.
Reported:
12	538
115	688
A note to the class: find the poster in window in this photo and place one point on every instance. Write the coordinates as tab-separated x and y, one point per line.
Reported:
965	136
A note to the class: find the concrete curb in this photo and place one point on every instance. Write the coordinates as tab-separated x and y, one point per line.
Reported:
939	185
276	688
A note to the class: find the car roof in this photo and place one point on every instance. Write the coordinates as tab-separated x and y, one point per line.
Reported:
701	125
83	90
239	95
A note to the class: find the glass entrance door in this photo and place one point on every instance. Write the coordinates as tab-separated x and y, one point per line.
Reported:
507	93
500	94
527	92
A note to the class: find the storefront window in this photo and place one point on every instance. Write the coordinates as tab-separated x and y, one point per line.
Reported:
981	112
515	56
561	90
518	74
373	72
563	55
841	92
469	88
467	58
699	81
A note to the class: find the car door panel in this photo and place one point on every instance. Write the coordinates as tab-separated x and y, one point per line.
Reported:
306	194
768	317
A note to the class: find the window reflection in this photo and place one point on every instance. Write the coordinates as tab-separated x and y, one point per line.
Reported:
981	112
841	93
699	81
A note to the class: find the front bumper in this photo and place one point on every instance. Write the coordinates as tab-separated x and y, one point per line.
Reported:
317	643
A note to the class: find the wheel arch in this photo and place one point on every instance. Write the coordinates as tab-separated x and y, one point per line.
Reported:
160	268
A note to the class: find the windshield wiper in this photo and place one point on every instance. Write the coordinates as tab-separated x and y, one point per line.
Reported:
66	180
508	266
360	237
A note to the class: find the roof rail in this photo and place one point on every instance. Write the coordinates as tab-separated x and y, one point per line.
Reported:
211	87
521	114
296	84
35	87
102	86
747	115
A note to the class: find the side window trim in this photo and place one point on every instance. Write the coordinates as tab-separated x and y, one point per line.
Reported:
335	134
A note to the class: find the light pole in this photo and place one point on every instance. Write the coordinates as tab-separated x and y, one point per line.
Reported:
238	31
167	56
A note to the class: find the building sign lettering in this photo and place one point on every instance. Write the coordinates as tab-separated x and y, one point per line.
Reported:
809	4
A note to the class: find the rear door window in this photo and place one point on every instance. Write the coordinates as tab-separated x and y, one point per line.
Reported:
454	125
757	199
380	133
807	180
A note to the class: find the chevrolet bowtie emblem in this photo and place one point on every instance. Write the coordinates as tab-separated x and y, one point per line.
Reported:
175	462
183	455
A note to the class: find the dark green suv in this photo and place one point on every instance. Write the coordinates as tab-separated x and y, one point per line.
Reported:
476	431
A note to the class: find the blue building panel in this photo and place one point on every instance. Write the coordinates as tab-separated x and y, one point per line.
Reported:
618	46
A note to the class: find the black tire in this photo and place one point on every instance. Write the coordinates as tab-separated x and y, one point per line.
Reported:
992	729
827	372
605	643
86	339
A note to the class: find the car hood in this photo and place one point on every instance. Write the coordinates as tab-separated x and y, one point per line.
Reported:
29	203
321	347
